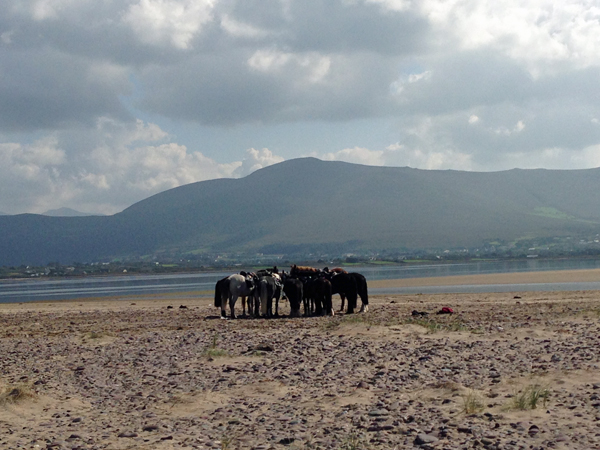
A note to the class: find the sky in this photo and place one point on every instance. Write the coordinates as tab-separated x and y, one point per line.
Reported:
104	103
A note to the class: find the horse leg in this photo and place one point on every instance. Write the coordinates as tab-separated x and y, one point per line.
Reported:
232	301
351	304
223	306
330	310
264	306
318	305
250	307
343	297
365	306
364	298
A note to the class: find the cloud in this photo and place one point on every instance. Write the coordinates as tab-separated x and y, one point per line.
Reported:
128	162
426	158
104	103
31	174
254	160
402	155
172	22
357	155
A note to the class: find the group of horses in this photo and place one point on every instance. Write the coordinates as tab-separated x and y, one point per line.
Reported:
302	286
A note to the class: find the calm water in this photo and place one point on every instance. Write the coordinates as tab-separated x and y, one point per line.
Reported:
180	285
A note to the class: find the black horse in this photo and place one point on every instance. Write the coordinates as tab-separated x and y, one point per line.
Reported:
361	290
293	289
308	297
344	284
322	293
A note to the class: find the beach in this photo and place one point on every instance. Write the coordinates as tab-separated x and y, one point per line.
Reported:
504	371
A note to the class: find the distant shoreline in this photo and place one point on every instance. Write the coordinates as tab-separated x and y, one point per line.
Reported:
550	276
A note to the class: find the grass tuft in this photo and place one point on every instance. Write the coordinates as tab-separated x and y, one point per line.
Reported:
530	396
472	403
213	351
11	395
353	442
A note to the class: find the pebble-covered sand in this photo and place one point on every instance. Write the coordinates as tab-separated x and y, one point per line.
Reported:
169	374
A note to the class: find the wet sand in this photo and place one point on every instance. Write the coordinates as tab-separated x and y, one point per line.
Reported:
167	373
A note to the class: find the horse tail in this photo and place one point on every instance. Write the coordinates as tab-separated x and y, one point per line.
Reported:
218	294
365	292
220	290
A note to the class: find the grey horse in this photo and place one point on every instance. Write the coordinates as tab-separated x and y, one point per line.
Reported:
236	286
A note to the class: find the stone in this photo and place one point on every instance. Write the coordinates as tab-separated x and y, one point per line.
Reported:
425	439
378	412
128	434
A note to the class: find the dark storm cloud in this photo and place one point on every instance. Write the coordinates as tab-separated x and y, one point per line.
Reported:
44	89
225	90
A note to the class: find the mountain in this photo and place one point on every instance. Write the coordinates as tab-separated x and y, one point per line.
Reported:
308	205
65	212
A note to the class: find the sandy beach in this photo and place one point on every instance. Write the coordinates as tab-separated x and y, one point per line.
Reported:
513	370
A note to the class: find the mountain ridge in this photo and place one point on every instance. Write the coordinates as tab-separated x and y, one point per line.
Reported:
317	205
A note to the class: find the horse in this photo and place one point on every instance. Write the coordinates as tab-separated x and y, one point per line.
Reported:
345	285
308	297
322	292
306	271
236	286
361	290
293	289
267	288
278	290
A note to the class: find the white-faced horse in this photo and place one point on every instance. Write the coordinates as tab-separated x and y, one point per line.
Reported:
236	286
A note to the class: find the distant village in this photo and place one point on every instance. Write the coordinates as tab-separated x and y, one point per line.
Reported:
547	248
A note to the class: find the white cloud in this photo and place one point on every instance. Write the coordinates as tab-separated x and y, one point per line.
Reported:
266	60
392	5
520	126
48	9
536	33
312	66
30	175
357	155
398	86
241	30
256	159
127	165
402	155
175	22
419	158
